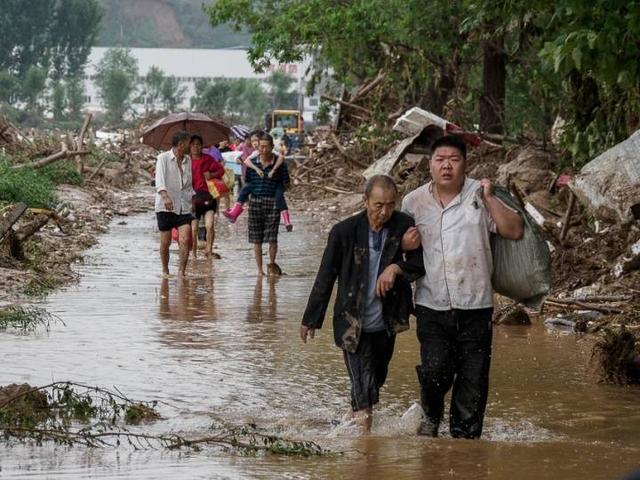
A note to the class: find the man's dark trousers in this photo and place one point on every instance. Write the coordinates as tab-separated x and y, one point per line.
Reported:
455	349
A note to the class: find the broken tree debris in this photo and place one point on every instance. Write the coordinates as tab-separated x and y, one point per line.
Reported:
51	413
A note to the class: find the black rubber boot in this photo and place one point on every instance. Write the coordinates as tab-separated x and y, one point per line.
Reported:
429	426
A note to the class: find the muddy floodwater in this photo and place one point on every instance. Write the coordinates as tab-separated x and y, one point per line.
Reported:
222	347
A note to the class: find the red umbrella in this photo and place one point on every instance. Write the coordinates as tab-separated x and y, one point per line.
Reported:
159	134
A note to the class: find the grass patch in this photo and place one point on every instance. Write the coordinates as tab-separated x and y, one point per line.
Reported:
40	287
26	319
62	172
25	185
97	155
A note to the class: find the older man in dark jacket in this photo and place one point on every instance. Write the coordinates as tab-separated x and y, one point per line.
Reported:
374	300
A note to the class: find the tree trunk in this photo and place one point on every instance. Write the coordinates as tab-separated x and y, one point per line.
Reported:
494	74
439	92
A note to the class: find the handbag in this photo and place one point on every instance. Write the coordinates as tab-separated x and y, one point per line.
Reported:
217	188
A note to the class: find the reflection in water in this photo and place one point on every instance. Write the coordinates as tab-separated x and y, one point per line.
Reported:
187	308
258	311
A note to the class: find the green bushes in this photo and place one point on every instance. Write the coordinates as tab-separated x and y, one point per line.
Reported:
62	172
25	185
36	188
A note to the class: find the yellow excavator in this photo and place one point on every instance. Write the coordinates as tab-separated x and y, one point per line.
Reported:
286	123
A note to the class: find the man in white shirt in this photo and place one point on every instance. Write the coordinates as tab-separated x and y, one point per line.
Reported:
174	193
455	216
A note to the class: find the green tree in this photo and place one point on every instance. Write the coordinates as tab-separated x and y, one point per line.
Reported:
419	45
58	100
172	93
248	101
9	87
116	78
152	88
74	89
280	85
211	95
238	100
35	81
73	29
594	49
55	35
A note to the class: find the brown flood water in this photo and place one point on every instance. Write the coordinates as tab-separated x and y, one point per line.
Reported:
222	347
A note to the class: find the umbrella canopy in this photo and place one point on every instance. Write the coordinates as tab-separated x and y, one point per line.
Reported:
159	134
240	131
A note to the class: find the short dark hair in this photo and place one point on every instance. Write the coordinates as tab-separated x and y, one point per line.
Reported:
454	141
178	137
383	181
196	137
266	137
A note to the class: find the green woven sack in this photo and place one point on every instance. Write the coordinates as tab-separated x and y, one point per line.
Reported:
521	268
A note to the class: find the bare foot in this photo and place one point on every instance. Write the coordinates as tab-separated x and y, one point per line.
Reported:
364	420
166	274
348	415
261	273
182	273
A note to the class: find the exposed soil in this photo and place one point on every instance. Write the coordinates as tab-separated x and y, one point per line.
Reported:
51	252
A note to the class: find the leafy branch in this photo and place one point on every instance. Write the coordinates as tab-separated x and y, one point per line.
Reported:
74	414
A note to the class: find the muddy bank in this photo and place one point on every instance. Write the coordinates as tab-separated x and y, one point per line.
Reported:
50	253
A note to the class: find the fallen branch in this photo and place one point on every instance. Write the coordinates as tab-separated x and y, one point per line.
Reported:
604	298
576	304
12	217
45	413
344	153
366	88
79	143
52	158
32	228
344	103
329	189
307	170
496	137
95	172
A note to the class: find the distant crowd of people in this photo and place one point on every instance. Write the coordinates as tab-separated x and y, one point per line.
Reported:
189	187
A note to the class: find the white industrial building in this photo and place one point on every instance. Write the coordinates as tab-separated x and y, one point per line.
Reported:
189	65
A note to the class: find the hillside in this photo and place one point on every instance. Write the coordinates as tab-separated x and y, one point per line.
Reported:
163	23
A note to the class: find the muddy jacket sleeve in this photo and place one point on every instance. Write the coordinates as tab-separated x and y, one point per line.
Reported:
413	263
325	280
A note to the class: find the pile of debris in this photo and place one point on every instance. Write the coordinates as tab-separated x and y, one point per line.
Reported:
329	167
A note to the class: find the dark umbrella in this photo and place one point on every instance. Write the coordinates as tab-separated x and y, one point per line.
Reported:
159	134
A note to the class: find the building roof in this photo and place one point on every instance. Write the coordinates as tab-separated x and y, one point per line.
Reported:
196	63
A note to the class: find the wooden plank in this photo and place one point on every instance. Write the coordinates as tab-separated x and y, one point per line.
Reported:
11	217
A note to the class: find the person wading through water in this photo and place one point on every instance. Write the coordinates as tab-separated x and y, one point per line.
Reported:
203	167
454	300
174	193
264	218
373	302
